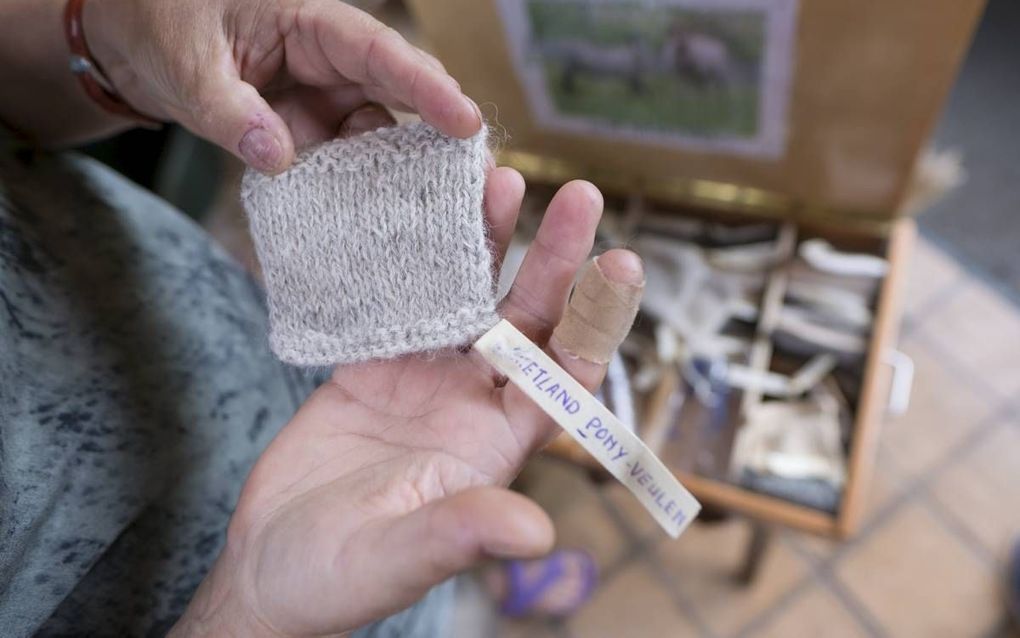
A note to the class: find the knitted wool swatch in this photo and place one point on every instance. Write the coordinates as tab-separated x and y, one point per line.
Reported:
375	246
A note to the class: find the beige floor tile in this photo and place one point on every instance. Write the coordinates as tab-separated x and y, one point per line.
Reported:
886	483
635	516
982	329
703	564
943	409
816	612
982	490
917	579
586	525
819	548
931	271
554	484
633	605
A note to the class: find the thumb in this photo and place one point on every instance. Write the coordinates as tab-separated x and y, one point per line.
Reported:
422	549
231	113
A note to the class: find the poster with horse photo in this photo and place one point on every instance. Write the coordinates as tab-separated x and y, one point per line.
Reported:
695	75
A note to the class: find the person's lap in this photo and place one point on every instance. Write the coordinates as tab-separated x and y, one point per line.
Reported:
137	388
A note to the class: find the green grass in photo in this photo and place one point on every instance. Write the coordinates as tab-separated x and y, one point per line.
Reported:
664	104
667	101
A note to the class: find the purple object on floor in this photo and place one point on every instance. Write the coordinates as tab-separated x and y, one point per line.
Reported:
522	596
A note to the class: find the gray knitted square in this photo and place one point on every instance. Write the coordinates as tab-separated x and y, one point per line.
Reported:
375	246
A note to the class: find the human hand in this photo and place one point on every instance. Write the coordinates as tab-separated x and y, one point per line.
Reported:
263	77
391	478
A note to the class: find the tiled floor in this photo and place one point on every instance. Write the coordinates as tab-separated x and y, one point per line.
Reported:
944	508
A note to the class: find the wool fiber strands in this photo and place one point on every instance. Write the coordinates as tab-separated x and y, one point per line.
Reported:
375	246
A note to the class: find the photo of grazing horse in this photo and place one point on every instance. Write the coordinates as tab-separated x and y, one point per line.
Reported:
683	72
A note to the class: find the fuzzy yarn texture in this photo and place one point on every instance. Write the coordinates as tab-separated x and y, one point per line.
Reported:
375	246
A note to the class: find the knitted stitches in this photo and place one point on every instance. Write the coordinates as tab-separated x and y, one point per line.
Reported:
374	246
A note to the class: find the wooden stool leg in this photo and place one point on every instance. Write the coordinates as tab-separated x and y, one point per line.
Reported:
761	535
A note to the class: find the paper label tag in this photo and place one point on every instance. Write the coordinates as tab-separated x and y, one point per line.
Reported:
591	424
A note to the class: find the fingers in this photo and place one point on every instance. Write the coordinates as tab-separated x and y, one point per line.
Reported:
365	119
415	552
602	307
504	192
364	50
600	315
536	300
348	42
315	115
231	113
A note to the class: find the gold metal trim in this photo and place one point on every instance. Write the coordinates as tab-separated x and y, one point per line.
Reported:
722	196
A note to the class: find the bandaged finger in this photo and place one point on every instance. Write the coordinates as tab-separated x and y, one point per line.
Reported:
599	315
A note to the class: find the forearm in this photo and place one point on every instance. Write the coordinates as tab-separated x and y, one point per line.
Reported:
42	99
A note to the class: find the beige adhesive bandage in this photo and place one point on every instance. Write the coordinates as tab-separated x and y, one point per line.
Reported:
599	315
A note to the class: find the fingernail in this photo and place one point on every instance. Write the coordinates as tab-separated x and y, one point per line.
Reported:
261	150
365	119
475	108
621	266
591	190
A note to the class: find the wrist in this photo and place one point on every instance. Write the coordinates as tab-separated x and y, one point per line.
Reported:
97	18
217	609
48	108
96	34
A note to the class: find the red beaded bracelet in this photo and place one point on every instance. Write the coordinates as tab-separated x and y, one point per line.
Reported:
90	74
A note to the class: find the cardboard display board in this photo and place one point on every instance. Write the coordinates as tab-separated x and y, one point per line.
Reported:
817	104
